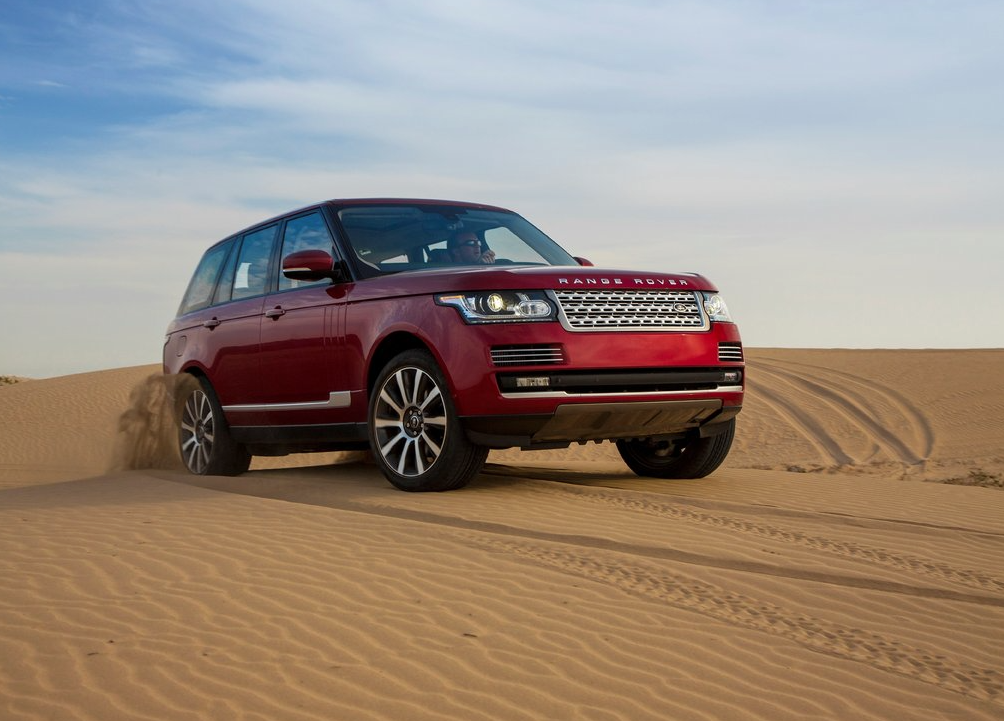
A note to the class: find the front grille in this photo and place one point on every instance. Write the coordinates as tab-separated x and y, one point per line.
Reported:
730	352
584	310
519	355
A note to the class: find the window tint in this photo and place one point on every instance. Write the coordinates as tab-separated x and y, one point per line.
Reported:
398	237
251	273
223	288
308	232
200	289
509	246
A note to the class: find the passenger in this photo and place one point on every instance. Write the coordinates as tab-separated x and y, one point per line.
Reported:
465	248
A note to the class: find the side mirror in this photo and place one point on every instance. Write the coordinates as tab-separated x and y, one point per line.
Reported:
583	261
310	265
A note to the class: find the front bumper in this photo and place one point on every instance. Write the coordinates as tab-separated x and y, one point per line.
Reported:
539	386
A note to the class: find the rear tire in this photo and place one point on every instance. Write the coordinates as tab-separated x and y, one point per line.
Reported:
207	449
678	459
414	429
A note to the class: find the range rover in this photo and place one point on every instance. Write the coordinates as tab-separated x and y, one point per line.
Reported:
432	331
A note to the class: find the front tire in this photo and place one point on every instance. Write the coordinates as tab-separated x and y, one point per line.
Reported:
207	449
414	429
678	459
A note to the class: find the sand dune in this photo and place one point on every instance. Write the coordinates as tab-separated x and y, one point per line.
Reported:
819	574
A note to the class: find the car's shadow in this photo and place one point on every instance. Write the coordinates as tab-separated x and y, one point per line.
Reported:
345	485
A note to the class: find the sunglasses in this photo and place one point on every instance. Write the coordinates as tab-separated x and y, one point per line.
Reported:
471	243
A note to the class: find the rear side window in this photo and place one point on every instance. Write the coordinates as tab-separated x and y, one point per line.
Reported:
200	289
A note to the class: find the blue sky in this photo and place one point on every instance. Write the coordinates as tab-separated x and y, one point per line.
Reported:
837	168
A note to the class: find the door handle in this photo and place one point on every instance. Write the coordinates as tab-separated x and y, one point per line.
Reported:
210	324
275	313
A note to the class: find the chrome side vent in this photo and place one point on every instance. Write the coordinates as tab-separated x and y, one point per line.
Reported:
730	352
527	355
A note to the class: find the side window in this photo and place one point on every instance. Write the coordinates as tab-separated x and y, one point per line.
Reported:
307	232
200	289
225	286
251	273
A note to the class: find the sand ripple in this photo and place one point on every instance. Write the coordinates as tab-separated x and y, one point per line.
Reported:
556	586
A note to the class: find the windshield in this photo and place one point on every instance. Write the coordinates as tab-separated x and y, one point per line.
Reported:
394	238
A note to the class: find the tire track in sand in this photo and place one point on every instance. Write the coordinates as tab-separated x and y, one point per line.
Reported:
654	582
806	424
650	572
852	397
844	549
923	436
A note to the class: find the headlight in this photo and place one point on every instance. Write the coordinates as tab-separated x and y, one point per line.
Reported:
715	306
500	306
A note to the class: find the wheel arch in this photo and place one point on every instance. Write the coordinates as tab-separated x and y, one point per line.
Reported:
182	379
194	370
392	345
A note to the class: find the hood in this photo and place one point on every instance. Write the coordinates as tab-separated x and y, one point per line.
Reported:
494	277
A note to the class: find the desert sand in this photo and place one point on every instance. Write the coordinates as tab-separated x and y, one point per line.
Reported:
847	562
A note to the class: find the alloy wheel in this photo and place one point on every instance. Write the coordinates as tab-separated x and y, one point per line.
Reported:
197	432
410	421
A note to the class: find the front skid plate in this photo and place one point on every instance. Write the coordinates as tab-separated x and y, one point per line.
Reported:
582	422
602	421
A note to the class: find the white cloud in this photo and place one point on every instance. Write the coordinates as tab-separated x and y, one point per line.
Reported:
776	147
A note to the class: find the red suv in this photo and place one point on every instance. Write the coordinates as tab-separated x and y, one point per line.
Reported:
432	331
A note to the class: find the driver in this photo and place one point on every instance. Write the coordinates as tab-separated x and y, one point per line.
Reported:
465	248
